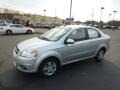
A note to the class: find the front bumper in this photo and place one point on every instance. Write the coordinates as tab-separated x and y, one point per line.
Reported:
2	31
24	64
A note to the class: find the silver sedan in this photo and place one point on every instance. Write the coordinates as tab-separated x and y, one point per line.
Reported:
58	47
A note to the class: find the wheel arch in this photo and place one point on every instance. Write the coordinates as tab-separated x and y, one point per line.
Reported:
54	57
101	46
8	30
46	56
29	30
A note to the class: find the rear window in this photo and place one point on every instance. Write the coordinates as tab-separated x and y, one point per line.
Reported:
92	33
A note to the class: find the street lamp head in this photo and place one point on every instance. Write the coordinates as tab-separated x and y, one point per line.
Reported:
110	14
44	10
114	11
102	8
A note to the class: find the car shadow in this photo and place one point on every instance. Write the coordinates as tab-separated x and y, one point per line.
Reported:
72	76
82	71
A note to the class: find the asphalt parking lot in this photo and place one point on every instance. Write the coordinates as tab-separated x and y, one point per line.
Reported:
85	75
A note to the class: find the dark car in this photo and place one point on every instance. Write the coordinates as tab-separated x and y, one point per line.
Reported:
114	27
107	27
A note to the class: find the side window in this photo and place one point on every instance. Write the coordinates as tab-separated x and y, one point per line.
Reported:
78	35
92	33
14	26
19	26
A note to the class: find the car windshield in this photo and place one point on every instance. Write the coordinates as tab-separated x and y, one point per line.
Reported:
54	34
3	24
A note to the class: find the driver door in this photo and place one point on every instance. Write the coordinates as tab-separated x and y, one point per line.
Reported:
76	51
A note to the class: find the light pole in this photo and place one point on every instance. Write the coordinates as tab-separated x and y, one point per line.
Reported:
44	14
6	13
114	12
92	17
70	11
55	16
101	16
109	16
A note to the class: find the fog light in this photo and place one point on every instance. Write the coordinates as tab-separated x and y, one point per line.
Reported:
23	67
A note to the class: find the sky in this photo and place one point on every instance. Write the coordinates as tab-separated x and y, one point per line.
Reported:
82	10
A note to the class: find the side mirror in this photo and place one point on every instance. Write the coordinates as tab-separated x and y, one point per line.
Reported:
70	41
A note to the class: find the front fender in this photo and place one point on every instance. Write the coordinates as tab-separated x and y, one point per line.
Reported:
47	55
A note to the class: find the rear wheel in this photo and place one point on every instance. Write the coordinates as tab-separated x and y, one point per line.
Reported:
100	55
29	32
48	67
8	32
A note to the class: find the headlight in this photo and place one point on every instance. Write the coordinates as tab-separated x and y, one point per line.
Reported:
30	53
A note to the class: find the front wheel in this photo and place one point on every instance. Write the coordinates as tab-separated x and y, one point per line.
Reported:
8	32
48	67
100	56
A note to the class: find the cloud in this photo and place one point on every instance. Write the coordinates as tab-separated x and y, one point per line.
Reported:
81	10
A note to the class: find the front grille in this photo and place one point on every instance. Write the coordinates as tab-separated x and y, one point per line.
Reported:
17	50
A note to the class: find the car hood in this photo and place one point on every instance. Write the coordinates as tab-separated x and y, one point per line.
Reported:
33	43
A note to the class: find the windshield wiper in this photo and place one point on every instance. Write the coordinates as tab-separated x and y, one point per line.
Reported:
44	38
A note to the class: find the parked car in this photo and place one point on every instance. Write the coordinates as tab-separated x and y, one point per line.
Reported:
47	25
15	28
60	46
107	27
96	26
2	25
114	27
36	25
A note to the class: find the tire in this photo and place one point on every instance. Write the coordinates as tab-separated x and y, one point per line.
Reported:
49	67
8	32
46	27
29	32
100	55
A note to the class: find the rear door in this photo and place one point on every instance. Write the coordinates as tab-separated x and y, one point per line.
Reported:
93	41
21	29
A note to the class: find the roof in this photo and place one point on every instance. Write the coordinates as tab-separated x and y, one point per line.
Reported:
76	26
13	24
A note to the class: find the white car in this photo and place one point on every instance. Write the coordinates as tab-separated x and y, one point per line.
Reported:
15	28
2	25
